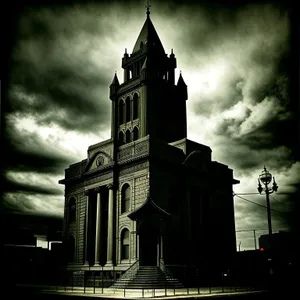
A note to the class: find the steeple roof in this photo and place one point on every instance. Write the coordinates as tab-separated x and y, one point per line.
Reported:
180	81
115	80
148	37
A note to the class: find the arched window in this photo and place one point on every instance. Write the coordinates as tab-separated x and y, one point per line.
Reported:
125	244
128	136
72	210
135	134
121	137
127	103
121	112
71	248
135	106
125	198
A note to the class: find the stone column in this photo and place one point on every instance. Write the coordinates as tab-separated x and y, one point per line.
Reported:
98	227
138	246
86	246
158	250
110	225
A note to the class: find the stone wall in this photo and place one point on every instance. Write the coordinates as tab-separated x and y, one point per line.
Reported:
137	177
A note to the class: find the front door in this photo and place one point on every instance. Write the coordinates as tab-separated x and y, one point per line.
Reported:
148	249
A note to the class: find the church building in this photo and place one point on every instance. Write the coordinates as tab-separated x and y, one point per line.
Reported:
148	195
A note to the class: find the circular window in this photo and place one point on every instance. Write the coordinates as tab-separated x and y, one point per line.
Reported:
99	161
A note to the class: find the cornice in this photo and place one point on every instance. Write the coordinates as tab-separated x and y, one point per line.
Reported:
128	85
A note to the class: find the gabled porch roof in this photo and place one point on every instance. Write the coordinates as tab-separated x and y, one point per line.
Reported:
147	208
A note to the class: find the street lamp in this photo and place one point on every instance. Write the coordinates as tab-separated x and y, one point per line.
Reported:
265	178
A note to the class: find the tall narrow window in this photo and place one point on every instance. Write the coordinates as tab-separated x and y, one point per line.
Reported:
71	248
127	103
135	106
125	198
125	244
72	210
121	112
135	134
121	137
128	136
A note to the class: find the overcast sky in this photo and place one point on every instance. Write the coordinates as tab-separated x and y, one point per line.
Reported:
238	64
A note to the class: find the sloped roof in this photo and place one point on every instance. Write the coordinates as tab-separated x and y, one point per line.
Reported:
149	36
180	81
115	80
147	208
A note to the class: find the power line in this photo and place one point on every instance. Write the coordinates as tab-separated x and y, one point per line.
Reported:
246	194
242	230
258	204
286	193
250	201
275	199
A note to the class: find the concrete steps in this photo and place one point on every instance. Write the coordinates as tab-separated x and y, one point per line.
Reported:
147	277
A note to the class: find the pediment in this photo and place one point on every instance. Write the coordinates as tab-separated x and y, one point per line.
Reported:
99	159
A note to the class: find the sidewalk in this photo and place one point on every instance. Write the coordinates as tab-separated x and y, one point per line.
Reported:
109	293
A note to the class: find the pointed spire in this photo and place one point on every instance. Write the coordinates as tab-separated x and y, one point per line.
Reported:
148	36
172	53
148	9
126	54
114	86
182	87
115	80
180	81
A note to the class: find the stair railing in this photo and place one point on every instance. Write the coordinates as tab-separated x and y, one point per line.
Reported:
167	272
162	264
131	270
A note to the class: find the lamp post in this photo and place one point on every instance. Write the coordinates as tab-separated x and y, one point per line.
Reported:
265	178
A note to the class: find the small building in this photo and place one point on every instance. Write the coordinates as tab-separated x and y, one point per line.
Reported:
283	248
28	252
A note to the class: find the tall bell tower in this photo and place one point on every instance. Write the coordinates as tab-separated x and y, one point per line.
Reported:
148	102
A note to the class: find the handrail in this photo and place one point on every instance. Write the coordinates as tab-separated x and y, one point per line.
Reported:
130	270
165	268
162	265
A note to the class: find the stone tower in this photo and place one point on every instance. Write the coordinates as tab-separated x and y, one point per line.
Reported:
148	102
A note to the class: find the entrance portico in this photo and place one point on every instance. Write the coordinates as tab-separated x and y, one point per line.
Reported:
150	220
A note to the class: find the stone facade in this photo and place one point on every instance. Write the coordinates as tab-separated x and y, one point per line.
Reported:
148	194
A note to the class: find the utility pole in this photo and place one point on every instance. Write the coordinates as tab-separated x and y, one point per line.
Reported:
254	239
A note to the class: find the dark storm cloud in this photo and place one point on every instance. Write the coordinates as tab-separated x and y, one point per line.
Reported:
51	66
255	49
34	204
227	96
218	24
17	187
266	136
26	152
245	159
